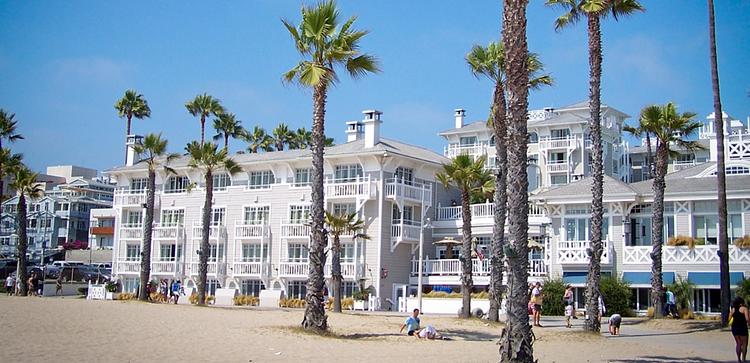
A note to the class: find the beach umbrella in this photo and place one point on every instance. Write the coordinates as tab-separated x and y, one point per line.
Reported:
448	242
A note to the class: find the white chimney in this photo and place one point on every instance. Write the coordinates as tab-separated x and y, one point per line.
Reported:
459	113
132	156
372	127
354	130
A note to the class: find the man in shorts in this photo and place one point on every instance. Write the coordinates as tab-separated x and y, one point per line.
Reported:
614	324
411	323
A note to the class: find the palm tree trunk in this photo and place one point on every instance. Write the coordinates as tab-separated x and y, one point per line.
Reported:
467	283
649	162
720	172
657	227
336	273
2	176
501	202
22	246
516	339
203	129
592	323
315	316
205	246
148	228
127	133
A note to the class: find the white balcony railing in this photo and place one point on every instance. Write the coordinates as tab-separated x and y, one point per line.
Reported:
294	230
405	232
453	150
256	269
243	229
481	210
214	231
360	188
213	268
131	231
348	269
576	252
452	267
128	267
680	165
129	198
558	167
684	255
168	232
558	143
166	267
293	269
410	191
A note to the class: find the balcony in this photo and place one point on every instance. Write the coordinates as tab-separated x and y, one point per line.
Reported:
215	231
129	198
294	269
481	210
680	165
547	143
453	150
575	252
405	232
452	267
250	269
700	255
295	230
243	229
362	188
168	232
214	269
558	166
131	231
102	231
348	270
171	268
409	191
128	267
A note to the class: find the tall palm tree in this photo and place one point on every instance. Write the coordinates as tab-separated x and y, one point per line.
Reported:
8	126
720	171
471	178
153	152
258	140
594	11
490	62
26	186
281	136
204	106
345	224
208	158
640	131
516	338
324	44
670	128
328	142
132	104
227	125
302	139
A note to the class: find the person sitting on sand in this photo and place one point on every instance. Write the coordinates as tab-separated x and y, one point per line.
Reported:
614	324
411	323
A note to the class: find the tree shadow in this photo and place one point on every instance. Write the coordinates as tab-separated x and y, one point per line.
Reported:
662	359
357	336
468	335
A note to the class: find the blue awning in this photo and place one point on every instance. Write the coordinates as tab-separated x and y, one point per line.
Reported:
714	278
579	277
644	277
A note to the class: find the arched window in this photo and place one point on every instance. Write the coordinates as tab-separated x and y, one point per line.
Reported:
533	138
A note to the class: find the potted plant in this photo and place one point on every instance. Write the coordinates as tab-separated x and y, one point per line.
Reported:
111	288
743	242
361	299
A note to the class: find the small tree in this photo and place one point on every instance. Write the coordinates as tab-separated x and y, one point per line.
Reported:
204	106
132	104
228	126
258	140
26	186
616	295
338	225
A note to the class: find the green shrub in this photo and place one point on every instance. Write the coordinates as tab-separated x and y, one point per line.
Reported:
743	290
83	291
553	290
616	294
112	286
683	292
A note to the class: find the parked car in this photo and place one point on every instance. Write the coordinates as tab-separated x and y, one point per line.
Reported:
82	274
102	265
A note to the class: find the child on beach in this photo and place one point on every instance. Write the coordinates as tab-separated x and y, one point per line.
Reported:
614	324
569	311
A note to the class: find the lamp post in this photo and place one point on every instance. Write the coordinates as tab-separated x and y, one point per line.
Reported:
420	268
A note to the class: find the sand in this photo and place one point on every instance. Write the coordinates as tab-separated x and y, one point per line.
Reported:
70	329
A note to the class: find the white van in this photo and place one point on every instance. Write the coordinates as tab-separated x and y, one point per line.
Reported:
61	264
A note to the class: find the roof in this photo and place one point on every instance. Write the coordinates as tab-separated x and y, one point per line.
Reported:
472	127
353	148
690	181
641	149
613	189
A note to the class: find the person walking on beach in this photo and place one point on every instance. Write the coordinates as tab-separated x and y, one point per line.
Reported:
58	286
536	298
10	283
568	295
569	313
175	290
671	305
411	323
739	318
31	285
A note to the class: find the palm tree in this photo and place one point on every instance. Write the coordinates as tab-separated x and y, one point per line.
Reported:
346	224
594	11
227	125
302	139
282	135
204	106
720	171
516	338
258	140
132	104
324	44
8	126
490	62
328	142
669	128
153	152
471	178
26	186
207	158
639	131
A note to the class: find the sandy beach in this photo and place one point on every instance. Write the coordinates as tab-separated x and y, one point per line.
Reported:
74	329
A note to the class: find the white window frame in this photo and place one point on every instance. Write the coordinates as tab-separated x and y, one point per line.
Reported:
260	179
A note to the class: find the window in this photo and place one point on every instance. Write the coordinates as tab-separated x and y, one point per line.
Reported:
133	218
211	286
251	252
735	170
533	138
221	182
172	217
296	290
408	214
467	140
556	158
130	284
251	287
257	215
340	209
260	179
348	288
492	140
404	175
139	184
578	229
133	252
176	184
169	252
347	252
217	216
216	252
705	221
297	252
705	228
302	177
558	179
299	213
347	173
559	133
734	222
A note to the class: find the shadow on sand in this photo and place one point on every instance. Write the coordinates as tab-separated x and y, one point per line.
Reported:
660	359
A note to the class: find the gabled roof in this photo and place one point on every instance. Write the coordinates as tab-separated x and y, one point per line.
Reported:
690	180
614	190
475	126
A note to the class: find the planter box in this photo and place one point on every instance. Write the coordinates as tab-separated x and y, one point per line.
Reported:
360	305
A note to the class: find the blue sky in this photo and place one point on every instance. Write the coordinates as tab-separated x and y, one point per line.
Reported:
64	64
